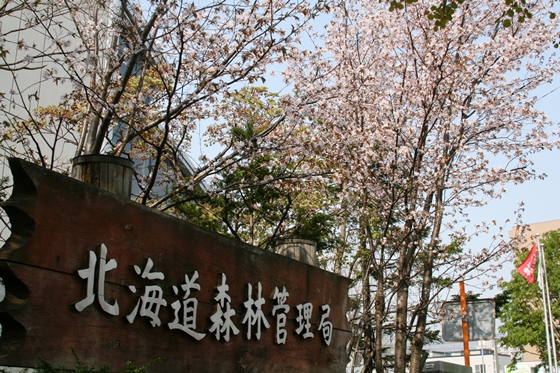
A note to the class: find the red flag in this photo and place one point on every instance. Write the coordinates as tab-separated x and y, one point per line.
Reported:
527	268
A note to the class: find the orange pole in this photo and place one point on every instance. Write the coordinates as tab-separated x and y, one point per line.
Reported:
465	323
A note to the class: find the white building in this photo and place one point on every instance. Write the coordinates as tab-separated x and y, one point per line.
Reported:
485	357
482	360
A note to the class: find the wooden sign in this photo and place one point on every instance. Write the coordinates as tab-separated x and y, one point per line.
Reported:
119	282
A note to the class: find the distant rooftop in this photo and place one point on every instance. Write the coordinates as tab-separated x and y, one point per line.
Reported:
473	352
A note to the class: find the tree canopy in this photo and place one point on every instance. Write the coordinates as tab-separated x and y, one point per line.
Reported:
443	12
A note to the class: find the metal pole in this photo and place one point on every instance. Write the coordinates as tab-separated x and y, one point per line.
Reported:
482	357
496	357
548	307
465	323
542	286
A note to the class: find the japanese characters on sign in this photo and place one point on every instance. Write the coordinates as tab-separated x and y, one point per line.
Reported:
151	299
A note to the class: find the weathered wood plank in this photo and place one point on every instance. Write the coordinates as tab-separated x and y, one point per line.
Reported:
113	174
65	223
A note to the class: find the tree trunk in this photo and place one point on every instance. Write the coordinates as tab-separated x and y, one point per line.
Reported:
367	324
404	268
401	327
379	318
377	261
339	257
417	345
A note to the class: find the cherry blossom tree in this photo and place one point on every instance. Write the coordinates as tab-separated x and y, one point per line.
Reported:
136	79
416	126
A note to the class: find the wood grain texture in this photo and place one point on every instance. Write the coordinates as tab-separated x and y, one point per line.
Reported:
113	174
57	221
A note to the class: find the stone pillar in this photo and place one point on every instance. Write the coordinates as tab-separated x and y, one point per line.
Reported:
303	250
113	174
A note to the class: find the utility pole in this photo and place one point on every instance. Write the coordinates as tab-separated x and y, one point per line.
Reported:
465	323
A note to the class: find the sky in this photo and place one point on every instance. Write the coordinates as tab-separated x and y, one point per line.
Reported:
540	197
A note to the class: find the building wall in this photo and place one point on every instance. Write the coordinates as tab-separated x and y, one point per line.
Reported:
27	87
27	84
45	46
480	362
533	229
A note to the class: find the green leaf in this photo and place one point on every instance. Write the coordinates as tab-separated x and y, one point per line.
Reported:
506	23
